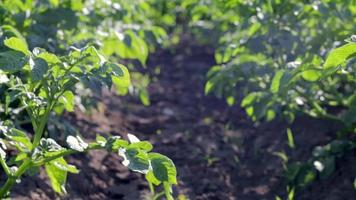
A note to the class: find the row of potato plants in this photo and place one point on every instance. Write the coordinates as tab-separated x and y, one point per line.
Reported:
280	60
67	67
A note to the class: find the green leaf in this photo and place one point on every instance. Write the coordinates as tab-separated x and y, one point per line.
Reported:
3	78
68	100
276	81
20	156
62	164
17	45
128	45
57	172
311	75
122	82
13	31
249	99
57	176
339	55
144	96
12	61
48	144
39	68
135	159
48	57
22	141
76	143
208	87
114	143
143	145
329	167
91	51
230	100
290	138
163	168
100	140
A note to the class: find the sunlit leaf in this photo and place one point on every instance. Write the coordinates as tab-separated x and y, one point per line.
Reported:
17	45
339	55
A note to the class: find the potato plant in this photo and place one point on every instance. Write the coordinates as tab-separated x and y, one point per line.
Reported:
260	40
121	29
40	83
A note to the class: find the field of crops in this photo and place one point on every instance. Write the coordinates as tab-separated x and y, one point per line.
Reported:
178	99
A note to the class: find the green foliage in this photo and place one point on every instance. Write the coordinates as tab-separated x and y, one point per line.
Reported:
120	29
320	165
269	55
57	172
45	83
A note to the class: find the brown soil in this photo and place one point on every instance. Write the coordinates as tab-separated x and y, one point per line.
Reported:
219	153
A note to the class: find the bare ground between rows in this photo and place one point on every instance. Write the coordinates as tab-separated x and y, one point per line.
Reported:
219	153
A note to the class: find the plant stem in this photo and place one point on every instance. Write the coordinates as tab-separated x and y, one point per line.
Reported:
39	130
157	196
5	167
11	180
66	153
152	189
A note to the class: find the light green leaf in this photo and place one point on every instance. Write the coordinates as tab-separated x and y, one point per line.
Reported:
114	143
144	96
143	145
22	141
62	164
230	100
208	87
249	99
68	100
48	57
91	51
100	140
339	55
311	75
17	45
276	81
122	82
57	172
290	138
129	45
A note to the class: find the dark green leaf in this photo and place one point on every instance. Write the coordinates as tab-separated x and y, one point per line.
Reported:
163	168
135	159
39	68
12	61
